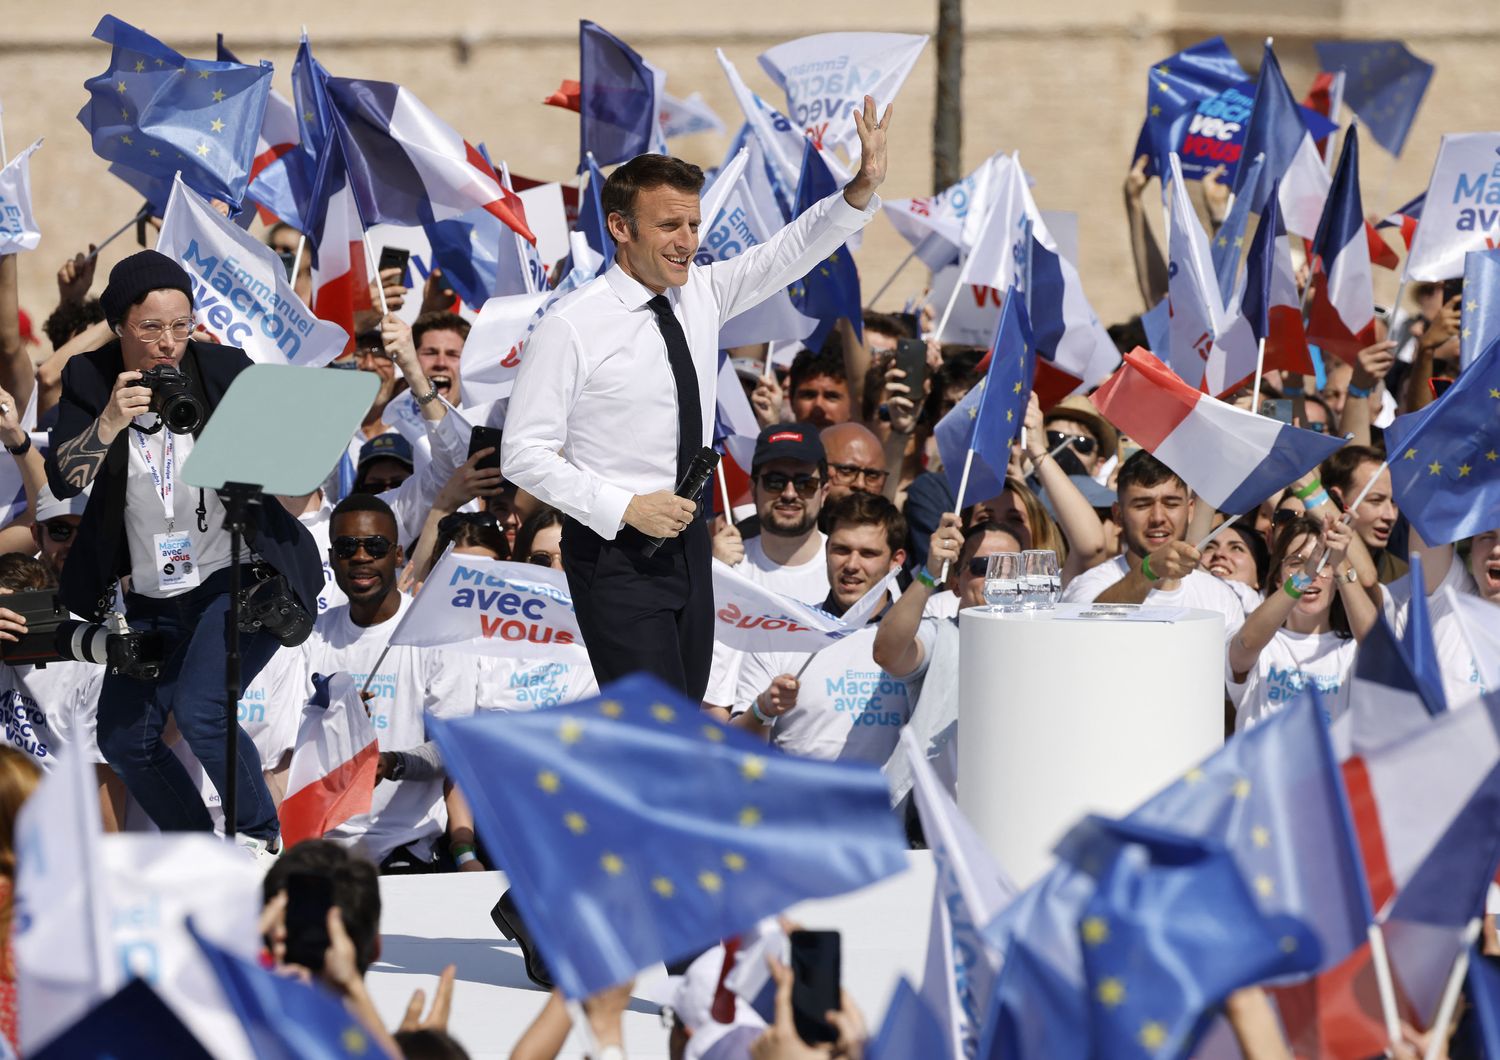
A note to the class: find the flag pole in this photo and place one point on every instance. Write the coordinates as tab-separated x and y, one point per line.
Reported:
1437	1037
891	279
1260	367
375	669
958	504
582	1027
1384	982
724	491
948	309
297	259
374	270
144	211
1348	515
1225	525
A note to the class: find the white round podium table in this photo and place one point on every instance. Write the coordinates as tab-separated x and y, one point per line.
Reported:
1079	709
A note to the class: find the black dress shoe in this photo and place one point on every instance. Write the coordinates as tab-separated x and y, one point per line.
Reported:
508	919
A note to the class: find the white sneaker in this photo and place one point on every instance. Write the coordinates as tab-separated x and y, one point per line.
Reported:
264	852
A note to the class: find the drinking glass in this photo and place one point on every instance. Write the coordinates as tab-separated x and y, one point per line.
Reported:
1002	581
1040	584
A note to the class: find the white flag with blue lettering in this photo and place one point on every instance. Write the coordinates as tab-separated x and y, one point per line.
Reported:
18	230
241	294
750	617
1462	209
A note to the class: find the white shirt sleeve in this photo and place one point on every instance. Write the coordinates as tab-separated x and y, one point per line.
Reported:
536	431
750	278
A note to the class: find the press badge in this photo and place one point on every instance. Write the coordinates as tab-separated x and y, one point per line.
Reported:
174	560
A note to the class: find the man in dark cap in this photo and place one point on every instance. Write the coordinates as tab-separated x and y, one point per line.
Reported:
144	521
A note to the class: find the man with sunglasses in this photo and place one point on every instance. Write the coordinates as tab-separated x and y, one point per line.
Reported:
56	526
1077	434
144	522
403	685
789	481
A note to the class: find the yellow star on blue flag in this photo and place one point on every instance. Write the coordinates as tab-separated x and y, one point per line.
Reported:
645	839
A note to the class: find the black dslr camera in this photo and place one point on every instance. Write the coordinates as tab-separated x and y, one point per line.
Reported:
53	635
171	399
267	604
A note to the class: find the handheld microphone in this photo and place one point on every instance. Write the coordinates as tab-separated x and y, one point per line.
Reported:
699	469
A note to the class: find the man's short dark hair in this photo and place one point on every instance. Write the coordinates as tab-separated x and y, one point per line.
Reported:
438	320
1337	472
975	535
72	319
896	327
869	509
1144	470
640	174
363	502
356	890
808	364
21	573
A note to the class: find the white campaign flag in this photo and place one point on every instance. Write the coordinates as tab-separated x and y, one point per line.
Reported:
18	230
936	226
969	891
750	617
494	607
1479	622
683	117
60	923
240	288
828	75
492	352
1462	209
155	883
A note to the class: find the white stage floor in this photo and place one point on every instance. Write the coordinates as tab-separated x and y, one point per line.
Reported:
428	922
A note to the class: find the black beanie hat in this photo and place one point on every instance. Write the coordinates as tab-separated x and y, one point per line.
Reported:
137	276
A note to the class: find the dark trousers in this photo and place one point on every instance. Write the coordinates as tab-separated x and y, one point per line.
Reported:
133	713
640	614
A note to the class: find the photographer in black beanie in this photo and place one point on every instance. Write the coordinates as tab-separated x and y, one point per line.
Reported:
144	522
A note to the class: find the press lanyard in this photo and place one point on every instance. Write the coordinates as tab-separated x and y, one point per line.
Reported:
163	483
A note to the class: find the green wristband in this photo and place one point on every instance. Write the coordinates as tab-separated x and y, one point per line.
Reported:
925	578
1151	576
461	848
1308	490
1291	590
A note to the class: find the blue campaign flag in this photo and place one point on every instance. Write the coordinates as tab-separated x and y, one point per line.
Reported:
1171	930
910	1028
133	1024
651	831
831	289
1231	239
1273	795
1445	458
1201	84
1276	129
1383	84
617	103
285	1019
591	220
160	113
1418	644
1481	307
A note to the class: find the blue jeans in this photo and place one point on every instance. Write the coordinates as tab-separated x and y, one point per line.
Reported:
133	713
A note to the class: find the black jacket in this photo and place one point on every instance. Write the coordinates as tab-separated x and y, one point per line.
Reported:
100	553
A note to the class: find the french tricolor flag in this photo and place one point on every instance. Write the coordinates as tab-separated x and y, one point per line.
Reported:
1405	217
409	167
1232	458
332	775
1293	162
1342	318
1270	301
340	279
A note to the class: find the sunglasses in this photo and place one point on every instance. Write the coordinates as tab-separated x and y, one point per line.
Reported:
1282	516
776	481
1082	443
378	546
448	525
60	531
978	566
541	559
380	485
843	473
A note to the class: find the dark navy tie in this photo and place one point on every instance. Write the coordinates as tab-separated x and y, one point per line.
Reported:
689	411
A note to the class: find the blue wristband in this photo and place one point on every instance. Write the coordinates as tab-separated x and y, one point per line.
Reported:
1358	391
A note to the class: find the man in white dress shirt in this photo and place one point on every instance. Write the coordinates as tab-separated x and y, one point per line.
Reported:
615	395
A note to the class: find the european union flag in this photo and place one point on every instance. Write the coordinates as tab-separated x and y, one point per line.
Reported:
135	1022
160	113
1274	797
283	1018
591	219
1171	930
1275	129
1480	321
617	104
634	829
1175	87
831	289
1231	239
1445	458
1384	84
989	416
909	1029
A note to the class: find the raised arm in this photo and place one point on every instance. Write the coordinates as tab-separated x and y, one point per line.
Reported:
898	650
1150	266
1370	368
1075	516
80	445
16	372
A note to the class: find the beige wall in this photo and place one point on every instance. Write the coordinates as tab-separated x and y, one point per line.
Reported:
1062	82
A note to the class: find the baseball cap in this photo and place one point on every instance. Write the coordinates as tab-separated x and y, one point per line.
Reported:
390	446
49	507
788	441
